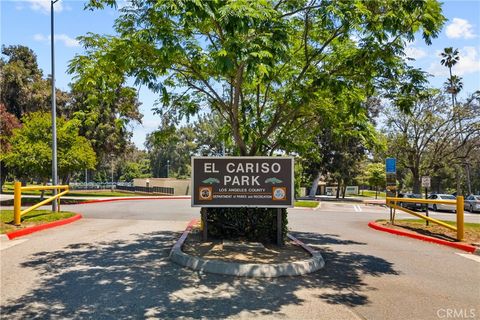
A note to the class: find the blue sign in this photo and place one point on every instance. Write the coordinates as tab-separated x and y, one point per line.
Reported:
391	165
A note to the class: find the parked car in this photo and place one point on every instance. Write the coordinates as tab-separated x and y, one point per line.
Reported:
411	205
472	203
436	207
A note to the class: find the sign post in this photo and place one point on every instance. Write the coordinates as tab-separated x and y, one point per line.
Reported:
426	185
391	183
258	182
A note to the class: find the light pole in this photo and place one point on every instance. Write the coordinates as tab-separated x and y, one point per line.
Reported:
54	110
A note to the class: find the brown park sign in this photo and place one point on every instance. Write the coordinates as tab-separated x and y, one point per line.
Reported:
242	182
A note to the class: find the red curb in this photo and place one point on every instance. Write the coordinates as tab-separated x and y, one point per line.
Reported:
184	235
456	245
23	232
305	247
138	198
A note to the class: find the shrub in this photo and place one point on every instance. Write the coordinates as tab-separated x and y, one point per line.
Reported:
251	224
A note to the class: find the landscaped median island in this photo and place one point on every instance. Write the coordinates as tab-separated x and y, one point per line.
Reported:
30	219
472	230
306	204
245	259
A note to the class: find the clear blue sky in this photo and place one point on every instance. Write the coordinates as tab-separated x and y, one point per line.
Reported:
28	23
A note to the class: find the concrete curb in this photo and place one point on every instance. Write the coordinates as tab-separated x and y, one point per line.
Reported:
456	245
29	230
309	209
296	268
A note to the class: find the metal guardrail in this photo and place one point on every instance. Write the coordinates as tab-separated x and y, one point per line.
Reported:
17	199
161	190
391	202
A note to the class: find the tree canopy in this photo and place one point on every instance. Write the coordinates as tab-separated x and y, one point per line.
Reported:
30	154
261	65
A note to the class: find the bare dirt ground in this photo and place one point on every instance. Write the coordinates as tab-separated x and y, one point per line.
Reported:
242	252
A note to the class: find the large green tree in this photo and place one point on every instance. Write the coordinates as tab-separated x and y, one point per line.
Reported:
105	117
263	66
30	155
8	122
23	88
433	136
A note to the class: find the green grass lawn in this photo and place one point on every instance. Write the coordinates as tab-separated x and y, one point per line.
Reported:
371	193
34	217
306	204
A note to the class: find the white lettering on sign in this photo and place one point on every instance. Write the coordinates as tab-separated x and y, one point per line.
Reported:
276	167
209	167
241	180
252	167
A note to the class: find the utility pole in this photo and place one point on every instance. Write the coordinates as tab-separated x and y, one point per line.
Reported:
54	110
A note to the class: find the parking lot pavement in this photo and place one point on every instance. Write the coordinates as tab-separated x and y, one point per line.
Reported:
108	266
119	269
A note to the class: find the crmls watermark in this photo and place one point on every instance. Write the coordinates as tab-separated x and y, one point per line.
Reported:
452	313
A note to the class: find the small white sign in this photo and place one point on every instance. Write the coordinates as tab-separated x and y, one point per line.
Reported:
426	182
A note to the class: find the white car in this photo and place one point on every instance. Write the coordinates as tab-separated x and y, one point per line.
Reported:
472	203
438	206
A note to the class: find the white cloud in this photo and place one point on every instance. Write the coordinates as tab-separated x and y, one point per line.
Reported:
67	41
460	28
415	53
44	6
469	62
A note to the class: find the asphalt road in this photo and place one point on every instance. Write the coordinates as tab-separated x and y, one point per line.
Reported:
113	264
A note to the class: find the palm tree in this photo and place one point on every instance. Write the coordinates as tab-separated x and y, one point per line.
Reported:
450	58
454	85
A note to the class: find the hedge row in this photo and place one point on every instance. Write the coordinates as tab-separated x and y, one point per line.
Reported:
249	224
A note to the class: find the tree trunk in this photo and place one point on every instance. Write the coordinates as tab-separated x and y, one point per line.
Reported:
469	182
42	193
376	192
313	189
3	175
338	189
66	179
416	181
459	180
344	190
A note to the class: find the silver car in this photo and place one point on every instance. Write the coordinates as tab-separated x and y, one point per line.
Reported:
472	203
438	206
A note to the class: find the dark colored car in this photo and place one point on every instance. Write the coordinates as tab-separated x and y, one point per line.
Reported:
411	205
472	203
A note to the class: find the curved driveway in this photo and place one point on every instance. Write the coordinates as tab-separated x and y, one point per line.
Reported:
114	265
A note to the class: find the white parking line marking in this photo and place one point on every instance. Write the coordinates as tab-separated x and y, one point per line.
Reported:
10	243
469	256
357	208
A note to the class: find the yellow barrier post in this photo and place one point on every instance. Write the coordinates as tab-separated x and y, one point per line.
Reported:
17	202
460	232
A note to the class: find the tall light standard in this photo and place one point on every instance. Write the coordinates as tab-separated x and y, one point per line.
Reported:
54	110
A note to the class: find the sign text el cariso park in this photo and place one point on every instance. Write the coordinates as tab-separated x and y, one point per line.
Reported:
242	182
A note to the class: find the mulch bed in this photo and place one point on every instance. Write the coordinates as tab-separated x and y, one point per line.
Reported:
214	249
472	236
